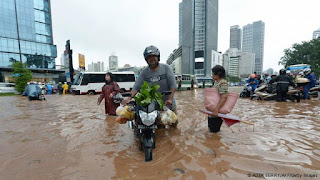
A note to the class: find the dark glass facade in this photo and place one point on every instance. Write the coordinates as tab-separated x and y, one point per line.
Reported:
26	24
199	33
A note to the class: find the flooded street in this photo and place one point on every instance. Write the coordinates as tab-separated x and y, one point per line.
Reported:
69	137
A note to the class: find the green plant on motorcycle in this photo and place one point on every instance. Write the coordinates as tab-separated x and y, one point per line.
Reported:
148	94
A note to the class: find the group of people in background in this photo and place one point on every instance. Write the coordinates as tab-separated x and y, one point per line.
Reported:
63	89
48	88
283	81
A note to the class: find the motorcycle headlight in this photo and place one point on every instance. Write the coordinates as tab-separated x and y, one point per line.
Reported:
148	118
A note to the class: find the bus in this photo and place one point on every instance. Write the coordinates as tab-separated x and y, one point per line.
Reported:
186	81
204	82
92	82
298	68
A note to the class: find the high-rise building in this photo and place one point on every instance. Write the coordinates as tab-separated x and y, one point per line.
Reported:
64	61
316	34
96	67
253	41
180	22
174	60
198	20
113	62
238	63
246	64
90	69
235	37
26	36
216	58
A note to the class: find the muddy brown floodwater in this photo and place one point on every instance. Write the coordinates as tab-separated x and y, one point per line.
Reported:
69	137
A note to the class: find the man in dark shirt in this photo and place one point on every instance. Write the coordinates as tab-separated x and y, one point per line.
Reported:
283	82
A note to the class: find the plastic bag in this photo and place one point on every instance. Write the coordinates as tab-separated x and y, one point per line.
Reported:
121	120
212	98
168	117
117	98
124	112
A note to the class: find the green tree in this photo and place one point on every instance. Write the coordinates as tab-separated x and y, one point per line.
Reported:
233	79
308	52
22	75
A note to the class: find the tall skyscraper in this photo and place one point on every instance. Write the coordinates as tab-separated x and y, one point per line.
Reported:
253	41
235	37
26	35
113	62
316	34
198	20
180	22
64	61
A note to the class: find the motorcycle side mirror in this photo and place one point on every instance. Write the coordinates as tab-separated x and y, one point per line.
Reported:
166	93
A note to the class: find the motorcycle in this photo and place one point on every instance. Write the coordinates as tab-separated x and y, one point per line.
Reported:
313	92
267	94
34	92
247	91
145	123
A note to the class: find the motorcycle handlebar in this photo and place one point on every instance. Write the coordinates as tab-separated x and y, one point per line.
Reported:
166	93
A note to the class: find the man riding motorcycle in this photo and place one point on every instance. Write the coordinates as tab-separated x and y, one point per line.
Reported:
312	83
156	73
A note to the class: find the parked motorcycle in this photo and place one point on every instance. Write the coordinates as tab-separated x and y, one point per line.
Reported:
267	94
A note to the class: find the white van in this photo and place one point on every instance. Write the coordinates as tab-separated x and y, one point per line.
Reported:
92	82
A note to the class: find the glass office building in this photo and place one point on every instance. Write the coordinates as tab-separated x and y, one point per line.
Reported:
253	41
26	34
198	35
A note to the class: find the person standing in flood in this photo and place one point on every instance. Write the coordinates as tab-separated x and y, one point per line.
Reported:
65	87
283	82
49	88
192	84
110	89
60	89
179	83
218	75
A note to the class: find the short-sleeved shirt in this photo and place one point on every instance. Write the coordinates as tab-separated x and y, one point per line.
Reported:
222	86
163	76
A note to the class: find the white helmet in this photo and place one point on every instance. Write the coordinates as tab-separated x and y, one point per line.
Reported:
288	72
307	71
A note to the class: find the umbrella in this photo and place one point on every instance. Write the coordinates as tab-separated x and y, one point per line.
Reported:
229	120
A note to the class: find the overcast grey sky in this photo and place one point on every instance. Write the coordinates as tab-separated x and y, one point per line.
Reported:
99	28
